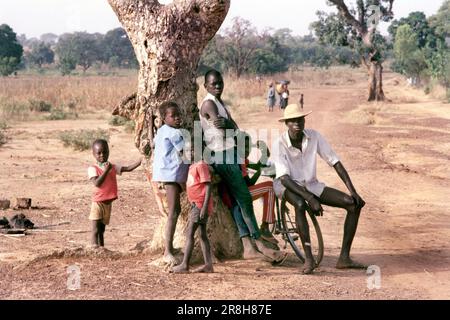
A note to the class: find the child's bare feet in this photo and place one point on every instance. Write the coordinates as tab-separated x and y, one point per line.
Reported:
347	263
204	269
180	269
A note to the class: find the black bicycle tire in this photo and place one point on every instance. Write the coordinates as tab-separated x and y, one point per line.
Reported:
299	250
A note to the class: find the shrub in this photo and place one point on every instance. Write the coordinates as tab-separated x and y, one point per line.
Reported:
129	126
39	105
3	126
121	121
2	138
82	139
117	121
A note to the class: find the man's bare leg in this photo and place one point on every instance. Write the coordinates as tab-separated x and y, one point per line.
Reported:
336	198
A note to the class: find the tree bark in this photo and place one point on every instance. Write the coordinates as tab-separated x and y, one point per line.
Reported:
376	82
168	41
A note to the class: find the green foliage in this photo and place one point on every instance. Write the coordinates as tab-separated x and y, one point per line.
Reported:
67	63
121	121
40	54
409	58
79	48
39	105
82	139
331	29
10	51
66	111
8	65
3	126
440	22
116	49
439	65
117	121
2	138
417	21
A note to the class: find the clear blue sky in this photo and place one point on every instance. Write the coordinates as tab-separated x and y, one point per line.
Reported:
35	17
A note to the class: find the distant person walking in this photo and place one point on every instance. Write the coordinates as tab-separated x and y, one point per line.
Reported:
271	97
284	97
301	101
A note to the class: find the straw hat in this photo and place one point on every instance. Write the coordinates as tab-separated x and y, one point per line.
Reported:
293	111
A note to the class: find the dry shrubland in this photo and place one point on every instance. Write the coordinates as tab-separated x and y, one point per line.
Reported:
25	97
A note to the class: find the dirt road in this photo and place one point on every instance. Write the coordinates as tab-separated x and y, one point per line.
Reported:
397	154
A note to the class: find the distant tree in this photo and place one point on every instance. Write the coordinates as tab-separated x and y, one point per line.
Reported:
238	46
67	63
211	58
419	25
10	50
117	49
40	54
355	28
408	55
80	48
441	20
49	38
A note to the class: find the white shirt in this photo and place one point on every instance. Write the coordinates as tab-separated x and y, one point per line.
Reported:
301	165
217	139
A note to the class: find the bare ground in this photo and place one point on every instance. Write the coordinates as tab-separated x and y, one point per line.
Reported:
397	156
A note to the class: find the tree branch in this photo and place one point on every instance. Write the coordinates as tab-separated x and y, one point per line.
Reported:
343	9
127	11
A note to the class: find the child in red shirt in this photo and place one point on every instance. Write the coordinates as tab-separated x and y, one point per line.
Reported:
103	175
198	189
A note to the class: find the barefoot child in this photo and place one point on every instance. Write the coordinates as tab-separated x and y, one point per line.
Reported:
199	195
169	171
103	175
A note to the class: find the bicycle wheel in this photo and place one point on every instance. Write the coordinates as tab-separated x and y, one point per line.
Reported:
291	232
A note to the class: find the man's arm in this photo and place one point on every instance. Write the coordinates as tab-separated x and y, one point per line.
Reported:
98	181
131	167
204	211
256	175
302	192
210	112
343	174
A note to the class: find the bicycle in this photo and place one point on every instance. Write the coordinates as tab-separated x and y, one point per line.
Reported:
286	226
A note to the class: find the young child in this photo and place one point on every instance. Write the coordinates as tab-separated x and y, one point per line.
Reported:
169	170
271	97
258	190
103	175
199	195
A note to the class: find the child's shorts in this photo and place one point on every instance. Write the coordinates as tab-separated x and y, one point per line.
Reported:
194	216
100	211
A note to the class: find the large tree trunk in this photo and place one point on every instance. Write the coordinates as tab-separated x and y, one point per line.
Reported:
168	41
376	82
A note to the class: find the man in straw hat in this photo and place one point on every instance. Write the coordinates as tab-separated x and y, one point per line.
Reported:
296	181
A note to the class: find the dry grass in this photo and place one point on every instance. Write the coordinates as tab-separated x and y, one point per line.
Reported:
82	93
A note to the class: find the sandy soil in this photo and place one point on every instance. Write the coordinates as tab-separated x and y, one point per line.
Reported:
397	156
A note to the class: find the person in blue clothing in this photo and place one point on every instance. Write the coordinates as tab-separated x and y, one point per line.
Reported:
169	170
